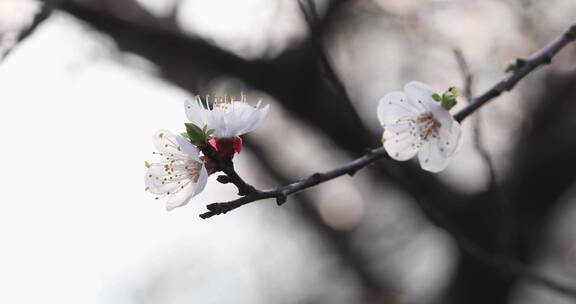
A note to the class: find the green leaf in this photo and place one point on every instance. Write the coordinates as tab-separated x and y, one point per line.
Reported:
436	97
195	134
185	135
449	102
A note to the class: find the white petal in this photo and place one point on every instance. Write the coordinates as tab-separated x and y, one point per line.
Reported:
431	158
235	118
450	140
165	142
442	115
157	181
254	121
219	125
400	146
185	194
196	113
420	95
394	106
188	148
181	197
202	180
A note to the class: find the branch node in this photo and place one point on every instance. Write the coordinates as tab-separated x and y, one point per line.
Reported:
316	176
223	179
571	33
216	208
520	62
281	198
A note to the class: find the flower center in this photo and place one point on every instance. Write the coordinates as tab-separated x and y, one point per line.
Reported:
193	168
427	126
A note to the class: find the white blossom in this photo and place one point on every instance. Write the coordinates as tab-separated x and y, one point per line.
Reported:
228	118
415	124
180	174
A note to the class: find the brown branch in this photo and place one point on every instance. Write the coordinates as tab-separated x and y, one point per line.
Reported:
281	193
523	68
477	134
133	37
306	95
494	188
228	168
342	242
309	11
502	264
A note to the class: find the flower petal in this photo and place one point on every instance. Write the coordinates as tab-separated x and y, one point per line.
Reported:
181	197
188	148
400	146
450	140
420	95
244	118
165	142
431	158
158	181
188	191
442	115
202	180
393	107
196	113
255	120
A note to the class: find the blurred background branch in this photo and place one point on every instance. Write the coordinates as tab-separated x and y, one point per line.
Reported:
499	232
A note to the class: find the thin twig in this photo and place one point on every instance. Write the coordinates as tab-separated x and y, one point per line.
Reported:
341	241
477	135
506	217
228	168
281	193
309	11
499	262
466	73
523	68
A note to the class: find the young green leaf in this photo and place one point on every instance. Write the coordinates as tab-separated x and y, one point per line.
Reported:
195	134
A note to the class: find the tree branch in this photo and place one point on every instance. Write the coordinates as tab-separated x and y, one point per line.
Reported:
494	189
342	242
308	8
523	68
281	193
174	56
228	168
513	267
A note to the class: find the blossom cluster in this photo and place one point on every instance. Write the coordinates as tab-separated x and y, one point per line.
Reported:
416	121
181	172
